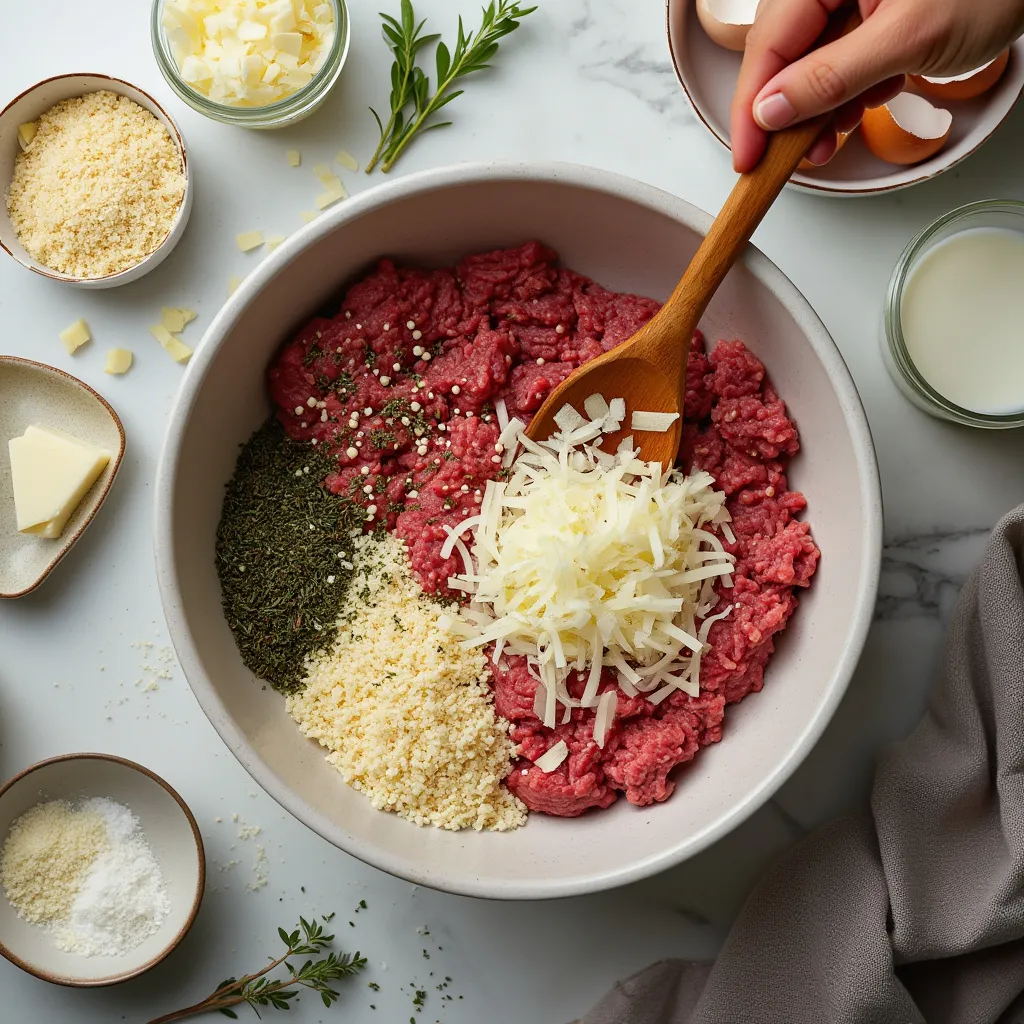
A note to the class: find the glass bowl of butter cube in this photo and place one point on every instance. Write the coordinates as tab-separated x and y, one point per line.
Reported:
251	63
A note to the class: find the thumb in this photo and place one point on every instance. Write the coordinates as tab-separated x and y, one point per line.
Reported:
825	79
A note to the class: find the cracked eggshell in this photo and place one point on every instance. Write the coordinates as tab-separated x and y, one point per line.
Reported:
907	130
727	22
967	86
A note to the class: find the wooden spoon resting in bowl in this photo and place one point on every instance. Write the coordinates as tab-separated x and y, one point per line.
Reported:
649	369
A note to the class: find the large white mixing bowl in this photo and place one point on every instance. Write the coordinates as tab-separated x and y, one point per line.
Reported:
627	236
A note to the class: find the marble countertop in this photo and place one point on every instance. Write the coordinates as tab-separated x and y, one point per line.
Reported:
85	663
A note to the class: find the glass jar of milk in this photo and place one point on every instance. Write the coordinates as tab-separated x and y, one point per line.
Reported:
953	337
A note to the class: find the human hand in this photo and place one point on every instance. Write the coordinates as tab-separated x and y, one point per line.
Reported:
781	83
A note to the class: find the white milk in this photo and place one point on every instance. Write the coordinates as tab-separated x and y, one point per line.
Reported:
962	316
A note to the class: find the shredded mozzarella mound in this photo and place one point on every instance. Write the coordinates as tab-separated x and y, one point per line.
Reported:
584	560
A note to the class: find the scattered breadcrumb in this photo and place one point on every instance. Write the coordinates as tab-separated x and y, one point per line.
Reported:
249	240
347	160
294	158
75	336
119	360
405	712
98	189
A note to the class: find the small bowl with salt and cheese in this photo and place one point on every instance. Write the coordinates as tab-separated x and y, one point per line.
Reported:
96	181
102	870
258	64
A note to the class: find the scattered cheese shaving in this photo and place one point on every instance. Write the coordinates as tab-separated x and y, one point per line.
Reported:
347	160
119	360
326	199
175	347
327	177
309	216
585	560
294	158
273	241
249	240
75	336
653	422
551	759
234	283
176	320
604	716
26	133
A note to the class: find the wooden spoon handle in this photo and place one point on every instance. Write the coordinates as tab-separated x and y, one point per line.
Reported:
751	198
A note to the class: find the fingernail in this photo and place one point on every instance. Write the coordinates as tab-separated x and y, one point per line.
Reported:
774	112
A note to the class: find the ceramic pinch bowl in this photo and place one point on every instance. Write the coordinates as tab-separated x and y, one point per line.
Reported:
33	103
36	394
171	832
708	74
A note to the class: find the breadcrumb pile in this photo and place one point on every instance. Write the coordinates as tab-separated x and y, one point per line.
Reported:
406	713
98	188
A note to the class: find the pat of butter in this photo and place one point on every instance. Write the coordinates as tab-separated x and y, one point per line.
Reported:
119	360
26	133
75	336
51	474
175	347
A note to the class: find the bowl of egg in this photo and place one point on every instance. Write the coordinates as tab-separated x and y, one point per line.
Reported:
933	125
266	64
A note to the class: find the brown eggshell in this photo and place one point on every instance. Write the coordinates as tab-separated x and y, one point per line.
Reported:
969	88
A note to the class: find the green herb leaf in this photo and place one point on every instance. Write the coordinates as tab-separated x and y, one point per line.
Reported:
410	85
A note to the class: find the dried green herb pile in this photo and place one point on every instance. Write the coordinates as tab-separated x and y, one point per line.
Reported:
283	547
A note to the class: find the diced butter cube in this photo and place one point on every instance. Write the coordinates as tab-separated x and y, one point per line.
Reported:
51	474
75	336
26	133
119	360
175	347
249	240
347	160
288	42
294	156
273	241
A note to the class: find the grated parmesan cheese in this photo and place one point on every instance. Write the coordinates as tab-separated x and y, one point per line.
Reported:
404	710
99	188
583	560
46	858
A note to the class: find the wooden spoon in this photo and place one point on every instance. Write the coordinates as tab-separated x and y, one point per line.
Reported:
649	369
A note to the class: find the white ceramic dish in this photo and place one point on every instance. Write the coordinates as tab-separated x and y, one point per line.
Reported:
171	831
35	394
708	75
36	101
627	236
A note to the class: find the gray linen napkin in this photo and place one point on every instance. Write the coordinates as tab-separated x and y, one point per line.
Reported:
912	913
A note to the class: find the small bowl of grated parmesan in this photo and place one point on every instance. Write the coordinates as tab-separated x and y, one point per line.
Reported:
95	181
102	870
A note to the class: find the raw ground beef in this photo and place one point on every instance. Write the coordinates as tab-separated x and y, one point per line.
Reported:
400	385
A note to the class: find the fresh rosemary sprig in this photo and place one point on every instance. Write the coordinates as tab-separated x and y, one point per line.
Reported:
411	85
258	990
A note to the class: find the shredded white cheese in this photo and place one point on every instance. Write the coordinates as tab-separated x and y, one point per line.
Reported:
583	560
653	422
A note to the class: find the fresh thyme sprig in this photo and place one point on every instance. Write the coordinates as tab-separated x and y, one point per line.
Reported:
259	990
411	85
